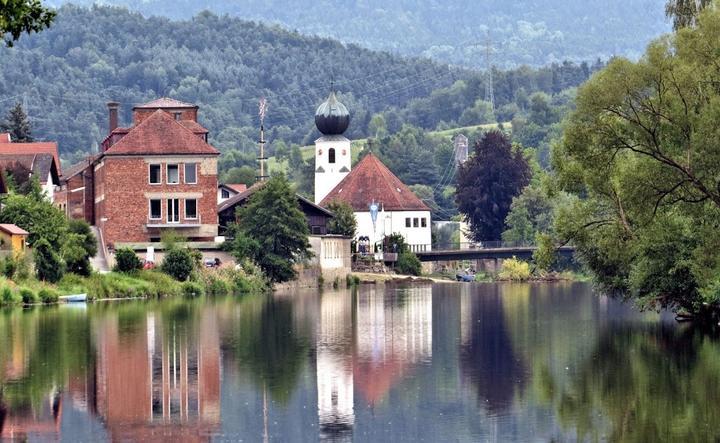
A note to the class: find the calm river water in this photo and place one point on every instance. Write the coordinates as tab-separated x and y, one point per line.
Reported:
441	363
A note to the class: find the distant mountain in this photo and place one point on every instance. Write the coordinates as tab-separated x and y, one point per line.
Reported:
66	74
534	32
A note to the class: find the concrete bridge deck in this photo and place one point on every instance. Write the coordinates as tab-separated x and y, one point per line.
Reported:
477	253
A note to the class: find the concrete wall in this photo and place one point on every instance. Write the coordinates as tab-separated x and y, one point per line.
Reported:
330	176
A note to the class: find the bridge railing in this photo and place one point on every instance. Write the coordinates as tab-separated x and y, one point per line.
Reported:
455	246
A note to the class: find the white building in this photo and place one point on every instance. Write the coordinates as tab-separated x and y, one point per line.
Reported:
371	182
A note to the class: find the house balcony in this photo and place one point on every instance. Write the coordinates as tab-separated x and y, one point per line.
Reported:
163	223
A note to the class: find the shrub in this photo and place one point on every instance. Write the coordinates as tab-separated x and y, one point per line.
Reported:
178	263
48	295
245	279
23	266
163	285
48	264
352	280
514	270
408	263
9	267
8	296
28	296
126	261
217	286
192	289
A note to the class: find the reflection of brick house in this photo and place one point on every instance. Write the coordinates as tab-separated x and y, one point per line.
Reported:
159	173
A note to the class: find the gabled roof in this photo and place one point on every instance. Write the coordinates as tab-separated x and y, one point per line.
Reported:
13	229
161	134
370	181
165	102
241	198
235	187
41	165
193	126
19	148
77	168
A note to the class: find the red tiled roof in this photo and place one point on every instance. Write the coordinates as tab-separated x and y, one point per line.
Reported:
161	134
17	148
165	102
41	165
237	187
13	229
372	180
79	167
193	126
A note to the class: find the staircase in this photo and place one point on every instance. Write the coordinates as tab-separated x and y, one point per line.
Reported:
99	263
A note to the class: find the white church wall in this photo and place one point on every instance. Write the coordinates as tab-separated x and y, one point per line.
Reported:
333	173
419	238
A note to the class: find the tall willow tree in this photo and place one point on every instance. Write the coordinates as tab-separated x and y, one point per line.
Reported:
642	155
684	13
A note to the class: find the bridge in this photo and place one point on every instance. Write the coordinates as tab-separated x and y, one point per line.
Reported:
481	251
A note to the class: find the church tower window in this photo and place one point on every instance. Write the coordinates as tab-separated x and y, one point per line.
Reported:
331	155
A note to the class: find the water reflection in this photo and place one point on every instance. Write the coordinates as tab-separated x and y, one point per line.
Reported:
475	362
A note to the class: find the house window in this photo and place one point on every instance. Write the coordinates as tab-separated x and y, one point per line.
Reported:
191	209
155	209
416	222
191	173
173	174
173	210
225	193
155	175
423	222
407	222
331	155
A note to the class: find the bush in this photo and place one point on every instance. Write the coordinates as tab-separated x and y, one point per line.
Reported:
245	279
28	296
8	296
217	286
514	270
48	264
163	285
192	289
409	264
126	261
9	267
49	295
178	263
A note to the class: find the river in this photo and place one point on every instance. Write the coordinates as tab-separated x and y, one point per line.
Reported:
442	363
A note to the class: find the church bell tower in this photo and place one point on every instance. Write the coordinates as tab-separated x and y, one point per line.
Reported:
333	158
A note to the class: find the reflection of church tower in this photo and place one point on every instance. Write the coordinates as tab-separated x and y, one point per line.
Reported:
332	150
334	368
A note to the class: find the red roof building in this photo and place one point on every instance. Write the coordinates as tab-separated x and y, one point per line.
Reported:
38	159
158	174
399	210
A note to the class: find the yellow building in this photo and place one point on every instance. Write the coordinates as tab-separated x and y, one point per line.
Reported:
12	238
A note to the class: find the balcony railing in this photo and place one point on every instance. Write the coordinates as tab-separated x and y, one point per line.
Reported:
160	223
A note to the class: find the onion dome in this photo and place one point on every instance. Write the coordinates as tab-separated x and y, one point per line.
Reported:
332	117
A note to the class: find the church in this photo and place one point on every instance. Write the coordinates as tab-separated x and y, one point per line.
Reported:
383	204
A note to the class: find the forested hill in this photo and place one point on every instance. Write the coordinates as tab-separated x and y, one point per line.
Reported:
535	32
67	73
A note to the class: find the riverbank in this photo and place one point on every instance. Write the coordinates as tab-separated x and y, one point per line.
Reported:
135	285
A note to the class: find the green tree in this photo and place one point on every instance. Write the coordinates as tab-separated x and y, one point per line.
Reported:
272	230
18	16
127	261
240	175
17	124
344	222
487	183
79	246
641	156
178	263
37	216
48	264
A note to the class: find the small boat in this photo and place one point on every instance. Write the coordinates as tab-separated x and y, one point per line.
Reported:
75	298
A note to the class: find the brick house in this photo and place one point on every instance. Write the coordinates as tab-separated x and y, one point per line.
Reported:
157	174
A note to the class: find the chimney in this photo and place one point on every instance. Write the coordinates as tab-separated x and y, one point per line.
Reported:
113	114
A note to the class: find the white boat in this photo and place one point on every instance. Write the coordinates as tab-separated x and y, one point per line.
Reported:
75	298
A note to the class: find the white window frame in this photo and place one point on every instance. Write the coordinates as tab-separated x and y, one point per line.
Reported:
185	165
196	209
150	217
150	174
170	212
167	173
